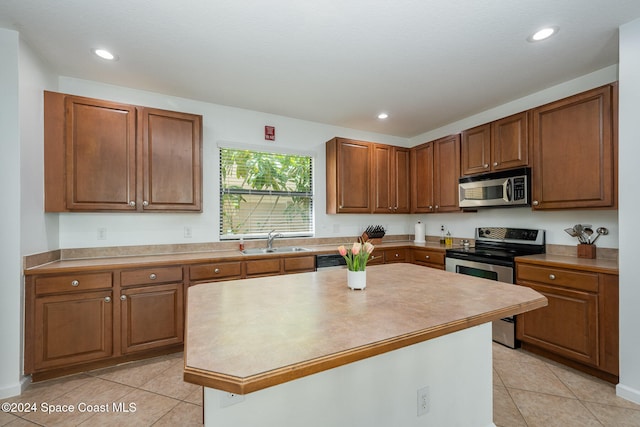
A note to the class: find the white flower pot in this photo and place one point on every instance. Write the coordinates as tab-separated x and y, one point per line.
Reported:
357	279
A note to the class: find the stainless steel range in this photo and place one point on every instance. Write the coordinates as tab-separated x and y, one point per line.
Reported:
492	258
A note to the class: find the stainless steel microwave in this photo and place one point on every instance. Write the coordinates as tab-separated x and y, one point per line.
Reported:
505	188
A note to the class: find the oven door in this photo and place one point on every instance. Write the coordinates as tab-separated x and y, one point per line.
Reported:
498	273
503	330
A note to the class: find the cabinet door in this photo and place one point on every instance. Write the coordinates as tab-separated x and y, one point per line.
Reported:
391	179
510	142
100	155
567	326
383	186
73	328
446	163
402	180
348	176
422	200
152	316
573	152
476	150
172	161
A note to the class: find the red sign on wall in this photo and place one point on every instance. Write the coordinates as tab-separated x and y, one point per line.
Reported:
270	133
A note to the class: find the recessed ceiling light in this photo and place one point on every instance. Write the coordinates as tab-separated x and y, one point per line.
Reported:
105	54
543	34
383	116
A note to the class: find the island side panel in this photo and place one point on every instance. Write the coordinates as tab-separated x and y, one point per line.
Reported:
377	391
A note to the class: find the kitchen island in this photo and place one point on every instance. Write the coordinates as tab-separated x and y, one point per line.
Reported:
304	349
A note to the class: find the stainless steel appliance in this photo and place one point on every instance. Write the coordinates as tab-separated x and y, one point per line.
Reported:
330	261
504	188
492	258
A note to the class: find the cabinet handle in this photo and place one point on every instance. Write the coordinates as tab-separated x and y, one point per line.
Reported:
75	283
217	270
535	203
153	276
107	299
486	165
552	276
495	163
145	203
123	297
132	203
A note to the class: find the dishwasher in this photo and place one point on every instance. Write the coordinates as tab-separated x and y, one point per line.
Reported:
330	261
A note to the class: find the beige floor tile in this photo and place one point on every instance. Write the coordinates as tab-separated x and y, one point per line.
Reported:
45	391
20	422
505	412
135	374
146	410
589	388
532	377
614	415
184	415
504	355
496	379
197	397
545	410
6	418
171	382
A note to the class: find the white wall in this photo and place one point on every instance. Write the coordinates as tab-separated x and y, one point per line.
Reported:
236	126
10	257
629	386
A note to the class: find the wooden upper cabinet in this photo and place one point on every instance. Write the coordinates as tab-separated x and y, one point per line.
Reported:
502	144
348	176
574	152
391	178
107	156
435	169
171	153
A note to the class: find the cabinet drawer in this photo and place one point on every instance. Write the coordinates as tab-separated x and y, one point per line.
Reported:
376	258
428	256
146	276
73	283
263	267
558	277
216	271
395	255
299	264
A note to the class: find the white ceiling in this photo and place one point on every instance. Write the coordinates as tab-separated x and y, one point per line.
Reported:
425	62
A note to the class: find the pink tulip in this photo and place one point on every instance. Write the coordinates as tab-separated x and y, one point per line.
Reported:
342	250
356	248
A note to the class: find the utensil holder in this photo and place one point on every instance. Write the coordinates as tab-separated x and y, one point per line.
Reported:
586	251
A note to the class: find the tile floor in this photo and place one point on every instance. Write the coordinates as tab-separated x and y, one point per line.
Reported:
528	391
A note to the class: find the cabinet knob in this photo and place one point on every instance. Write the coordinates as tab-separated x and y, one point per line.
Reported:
390	208
340	206
552	276
123	297
430	207
75	283
107	299
437	206
217	270
486	165
153	276
495	163
132	203
397	255
145	203
427	257
535	203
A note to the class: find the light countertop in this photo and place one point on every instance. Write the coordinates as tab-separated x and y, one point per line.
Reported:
243	336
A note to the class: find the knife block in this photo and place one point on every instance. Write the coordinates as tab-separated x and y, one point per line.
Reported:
586	251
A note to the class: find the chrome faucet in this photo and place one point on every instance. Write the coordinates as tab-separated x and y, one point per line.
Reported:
270	238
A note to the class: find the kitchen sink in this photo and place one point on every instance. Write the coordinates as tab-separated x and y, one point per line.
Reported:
281	250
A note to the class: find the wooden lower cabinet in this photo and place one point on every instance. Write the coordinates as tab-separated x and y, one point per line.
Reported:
428	257
72	328
151	316
579	326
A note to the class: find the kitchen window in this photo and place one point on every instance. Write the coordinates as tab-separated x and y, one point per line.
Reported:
262	191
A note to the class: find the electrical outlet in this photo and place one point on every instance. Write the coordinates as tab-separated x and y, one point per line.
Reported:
102	233
228	399
187	232
424	401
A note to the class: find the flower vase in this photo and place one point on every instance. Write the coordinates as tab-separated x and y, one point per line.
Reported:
357	279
